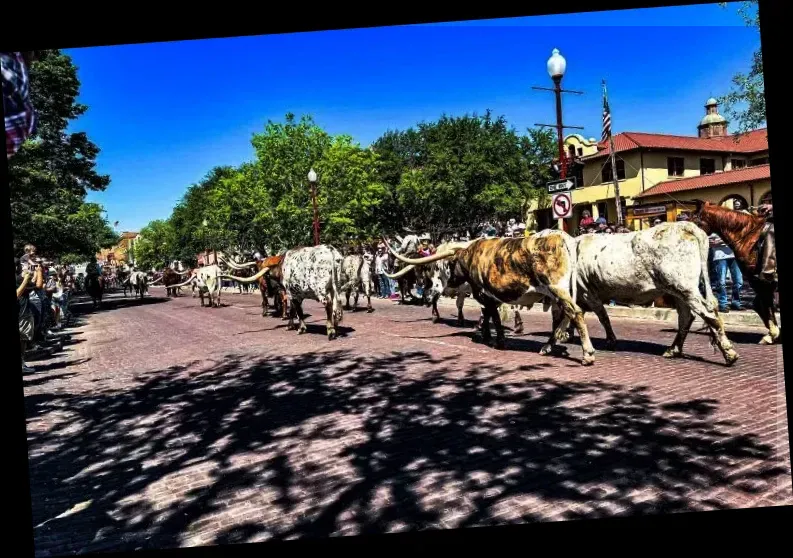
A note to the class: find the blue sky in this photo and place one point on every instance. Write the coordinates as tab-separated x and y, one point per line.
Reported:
164	114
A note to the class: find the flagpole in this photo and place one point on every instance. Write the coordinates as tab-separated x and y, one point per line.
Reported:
613	158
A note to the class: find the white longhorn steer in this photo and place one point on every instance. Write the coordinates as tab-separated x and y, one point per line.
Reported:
206	280
313	273
356	277
638	267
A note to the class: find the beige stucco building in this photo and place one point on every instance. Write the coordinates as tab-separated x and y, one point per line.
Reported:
658	173
119	254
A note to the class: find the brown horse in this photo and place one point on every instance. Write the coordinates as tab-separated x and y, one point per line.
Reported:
745	234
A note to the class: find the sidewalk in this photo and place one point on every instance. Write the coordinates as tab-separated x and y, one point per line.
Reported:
743	318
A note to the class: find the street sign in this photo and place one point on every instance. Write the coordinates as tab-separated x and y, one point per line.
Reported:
562	205
649	209
563	185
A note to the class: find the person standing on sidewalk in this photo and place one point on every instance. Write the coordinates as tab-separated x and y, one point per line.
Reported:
723	261
26	320
380	265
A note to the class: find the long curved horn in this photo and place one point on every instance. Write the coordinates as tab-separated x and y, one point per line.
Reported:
160	278
190	280
428	259
253	279
238	267
400	273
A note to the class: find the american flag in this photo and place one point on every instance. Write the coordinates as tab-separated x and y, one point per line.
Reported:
606	115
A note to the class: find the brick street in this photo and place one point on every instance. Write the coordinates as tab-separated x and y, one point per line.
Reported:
165	424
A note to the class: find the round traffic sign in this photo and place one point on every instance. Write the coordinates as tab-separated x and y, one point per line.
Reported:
562	205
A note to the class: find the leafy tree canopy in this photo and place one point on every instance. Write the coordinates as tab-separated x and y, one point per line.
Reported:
53	171
744	104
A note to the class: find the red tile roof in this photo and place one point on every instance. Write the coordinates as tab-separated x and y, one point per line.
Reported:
746	174
750	142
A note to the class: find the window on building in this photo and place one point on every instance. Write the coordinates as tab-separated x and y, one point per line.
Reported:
738	163
603	209
607	176
707	166
578	172
760	161
580	151
571	150
674	166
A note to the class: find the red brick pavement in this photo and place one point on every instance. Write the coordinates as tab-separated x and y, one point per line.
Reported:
166	424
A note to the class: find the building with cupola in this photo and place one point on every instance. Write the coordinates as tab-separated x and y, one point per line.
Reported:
660	174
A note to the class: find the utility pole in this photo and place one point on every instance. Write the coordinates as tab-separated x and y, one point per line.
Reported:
556	68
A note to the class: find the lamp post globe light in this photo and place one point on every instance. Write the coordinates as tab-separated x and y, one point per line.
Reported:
312	178
556	65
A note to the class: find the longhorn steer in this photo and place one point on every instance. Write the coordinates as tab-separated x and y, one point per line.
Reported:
268	278
437	275
206	280
520	271
170	278
139	282
638	267
208	283
313	273
356	275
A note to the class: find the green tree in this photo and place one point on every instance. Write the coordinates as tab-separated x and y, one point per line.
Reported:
156	245
744	104
459	171
53	171
191	236
285	152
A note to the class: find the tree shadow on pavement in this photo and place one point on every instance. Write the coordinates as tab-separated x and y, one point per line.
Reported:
333	442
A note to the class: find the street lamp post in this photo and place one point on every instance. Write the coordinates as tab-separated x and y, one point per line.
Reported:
312	178
556	68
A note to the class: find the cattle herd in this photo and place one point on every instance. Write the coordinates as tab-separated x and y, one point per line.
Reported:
569	275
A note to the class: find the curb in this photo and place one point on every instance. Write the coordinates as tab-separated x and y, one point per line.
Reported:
743	318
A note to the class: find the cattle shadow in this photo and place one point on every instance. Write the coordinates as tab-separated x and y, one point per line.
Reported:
333	442
740	337
637	346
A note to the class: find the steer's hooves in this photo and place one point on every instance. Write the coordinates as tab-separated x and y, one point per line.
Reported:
518	330
435	319
767	340
331	335
588	360
370	310
731	357
301	331
564	337
671	353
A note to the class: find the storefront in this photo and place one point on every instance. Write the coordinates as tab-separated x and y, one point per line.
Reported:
642	216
